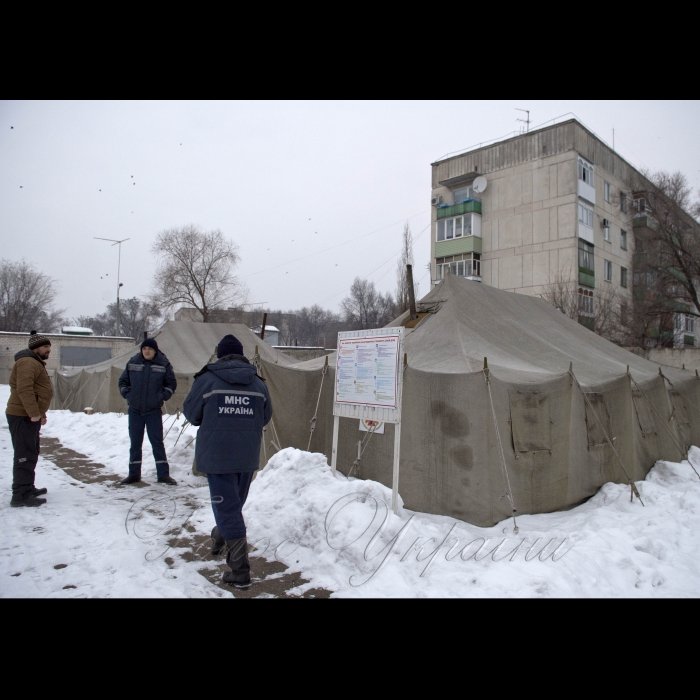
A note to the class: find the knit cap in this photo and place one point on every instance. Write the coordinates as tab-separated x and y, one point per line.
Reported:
150	343
229	345
36	340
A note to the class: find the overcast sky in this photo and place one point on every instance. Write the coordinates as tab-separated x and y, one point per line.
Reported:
284	180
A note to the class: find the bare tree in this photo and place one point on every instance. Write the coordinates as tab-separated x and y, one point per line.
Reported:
196	268
27	299
406	258
366	307
605	311
135	317
667	242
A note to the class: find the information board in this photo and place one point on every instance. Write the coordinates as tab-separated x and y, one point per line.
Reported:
368	371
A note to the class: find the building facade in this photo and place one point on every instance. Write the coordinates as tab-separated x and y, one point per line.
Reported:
554	206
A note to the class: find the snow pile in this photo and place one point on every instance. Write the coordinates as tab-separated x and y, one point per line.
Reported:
339	533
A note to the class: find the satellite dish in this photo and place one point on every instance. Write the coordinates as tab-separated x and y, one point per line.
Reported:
479	184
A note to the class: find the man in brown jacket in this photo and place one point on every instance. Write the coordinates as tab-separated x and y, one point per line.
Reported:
30	396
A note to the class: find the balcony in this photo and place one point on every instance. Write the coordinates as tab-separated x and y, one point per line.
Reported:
468	206
642	221
586	277
455	246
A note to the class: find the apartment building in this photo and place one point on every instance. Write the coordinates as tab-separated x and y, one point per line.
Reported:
549	206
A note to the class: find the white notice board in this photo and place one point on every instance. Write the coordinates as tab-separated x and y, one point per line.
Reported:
368	374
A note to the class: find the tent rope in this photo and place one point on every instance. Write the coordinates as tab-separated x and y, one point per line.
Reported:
99	390
275	442
318	401
184	427
504	468
363	447
692	403
73	388
633	487
663	422
176	416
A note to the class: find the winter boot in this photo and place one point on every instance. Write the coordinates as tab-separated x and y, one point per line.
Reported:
167	480
38	492
131	479
28	501
217	542
237	559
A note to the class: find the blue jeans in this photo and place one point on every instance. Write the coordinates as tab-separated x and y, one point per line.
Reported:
228	496
153	423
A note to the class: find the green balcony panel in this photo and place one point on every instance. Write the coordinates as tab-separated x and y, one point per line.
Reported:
587	321
586	279
645	222
466	244
689	340
471	207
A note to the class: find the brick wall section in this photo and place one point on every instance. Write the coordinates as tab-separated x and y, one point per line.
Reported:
12	343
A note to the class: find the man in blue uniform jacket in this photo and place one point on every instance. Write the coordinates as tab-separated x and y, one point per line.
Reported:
231	404
146	383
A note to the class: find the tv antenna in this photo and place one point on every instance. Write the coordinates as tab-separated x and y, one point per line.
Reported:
525	121
119	267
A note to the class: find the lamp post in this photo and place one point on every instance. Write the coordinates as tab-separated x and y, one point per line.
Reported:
119	267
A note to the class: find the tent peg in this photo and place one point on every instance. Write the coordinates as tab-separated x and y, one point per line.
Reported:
486	363
326	362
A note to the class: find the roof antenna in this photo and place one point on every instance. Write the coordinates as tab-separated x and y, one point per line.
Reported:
525	121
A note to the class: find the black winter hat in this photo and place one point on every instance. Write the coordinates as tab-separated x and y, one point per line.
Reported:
150	343
229	345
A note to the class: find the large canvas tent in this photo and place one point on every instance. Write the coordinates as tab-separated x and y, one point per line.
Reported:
187	344
555	416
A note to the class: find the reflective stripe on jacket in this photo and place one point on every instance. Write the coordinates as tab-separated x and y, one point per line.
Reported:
231	405
146	384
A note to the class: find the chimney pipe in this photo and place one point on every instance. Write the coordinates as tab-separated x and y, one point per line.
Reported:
262	333
145	335
411	295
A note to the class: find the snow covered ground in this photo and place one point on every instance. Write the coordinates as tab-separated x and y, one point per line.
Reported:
97	539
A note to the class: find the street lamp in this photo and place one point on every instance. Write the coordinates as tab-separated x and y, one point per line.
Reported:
119	266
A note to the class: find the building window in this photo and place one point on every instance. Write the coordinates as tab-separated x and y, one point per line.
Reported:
462	194
606	230
623	202
585	172
467	265
459	226
585	215
585	255
623	276
607	271
678	322
585	302
623	239
640	205
606	191
690	324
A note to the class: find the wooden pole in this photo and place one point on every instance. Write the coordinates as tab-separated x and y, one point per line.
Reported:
262	333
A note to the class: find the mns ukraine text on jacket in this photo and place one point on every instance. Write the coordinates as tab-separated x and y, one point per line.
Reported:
231	405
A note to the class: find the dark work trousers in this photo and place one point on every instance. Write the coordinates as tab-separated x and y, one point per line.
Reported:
153	423
228	496
25	442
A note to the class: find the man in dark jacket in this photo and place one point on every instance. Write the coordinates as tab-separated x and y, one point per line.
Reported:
231	404
146	383
30	397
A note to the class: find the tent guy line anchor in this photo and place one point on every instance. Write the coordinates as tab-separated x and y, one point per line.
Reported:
504	468
313	420
633	487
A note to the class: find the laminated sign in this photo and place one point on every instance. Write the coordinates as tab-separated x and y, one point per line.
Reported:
368	371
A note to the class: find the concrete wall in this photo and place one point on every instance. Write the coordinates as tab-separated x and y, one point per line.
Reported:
303	354
12	343
671	357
